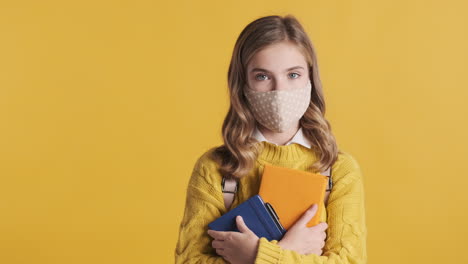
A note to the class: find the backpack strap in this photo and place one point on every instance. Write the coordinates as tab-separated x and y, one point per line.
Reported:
328	174
229	187
330	184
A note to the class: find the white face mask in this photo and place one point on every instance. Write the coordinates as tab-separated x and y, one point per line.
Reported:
278	110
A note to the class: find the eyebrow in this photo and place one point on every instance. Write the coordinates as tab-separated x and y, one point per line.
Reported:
265	70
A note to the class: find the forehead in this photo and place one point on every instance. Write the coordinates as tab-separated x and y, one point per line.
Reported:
278	57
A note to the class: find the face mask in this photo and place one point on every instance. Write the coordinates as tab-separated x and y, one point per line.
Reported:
278	110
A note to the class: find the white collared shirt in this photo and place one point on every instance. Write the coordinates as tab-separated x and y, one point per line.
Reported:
298	138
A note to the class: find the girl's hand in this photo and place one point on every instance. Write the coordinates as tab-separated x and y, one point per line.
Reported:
236	247
305	240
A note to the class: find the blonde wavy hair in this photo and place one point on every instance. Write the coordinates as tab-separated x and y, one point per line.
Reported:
237	156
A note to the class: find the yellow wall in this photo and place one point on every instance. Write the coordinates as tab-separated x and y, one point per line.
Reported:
105	106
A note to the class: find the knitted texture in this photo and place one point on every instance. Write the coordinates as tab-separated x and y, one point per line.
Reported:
344	212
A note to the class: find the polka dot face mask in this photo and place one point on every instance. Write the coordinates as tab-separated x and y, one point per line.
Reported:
278	110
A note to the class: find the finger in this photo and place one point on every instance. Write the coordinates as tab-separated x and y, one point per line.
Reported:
219	235
220	252
323	226
324	236
241	225
308	214
217	244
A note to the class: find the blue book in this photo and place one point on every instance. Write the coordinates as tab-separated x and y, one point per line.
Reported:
259	217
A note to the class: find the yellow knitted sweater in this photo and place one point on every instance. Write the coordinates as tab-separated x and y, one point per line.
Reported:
344	212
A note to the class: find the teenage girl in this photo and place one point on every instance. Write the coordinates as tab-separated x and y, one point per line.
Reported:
276	116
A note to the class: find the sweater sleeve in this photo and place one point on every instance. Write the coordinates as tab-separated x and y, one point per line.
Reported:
203	204
346	232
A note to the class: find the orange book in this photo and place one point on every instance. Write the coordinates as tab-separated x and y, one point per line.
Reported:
291	192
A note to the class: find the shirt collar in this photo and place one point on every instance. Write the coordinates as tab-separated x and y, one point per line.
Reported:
298	138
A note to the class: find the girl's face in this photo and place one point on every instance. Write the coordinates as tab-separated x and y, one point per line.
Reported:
279	66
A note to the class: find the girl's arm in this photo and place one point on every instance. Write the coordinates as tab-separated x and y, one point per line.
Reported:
203	205
346	233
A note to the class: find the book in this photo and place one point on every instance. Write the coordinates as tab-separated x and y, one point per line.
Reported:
260	217
291	192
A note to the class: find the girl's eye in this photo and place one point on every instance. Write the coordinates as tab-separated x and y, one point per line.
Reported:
263	75
256	77
296	74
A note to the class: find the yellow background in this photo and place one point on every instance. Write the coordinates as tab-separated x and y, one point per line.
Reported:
106	105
